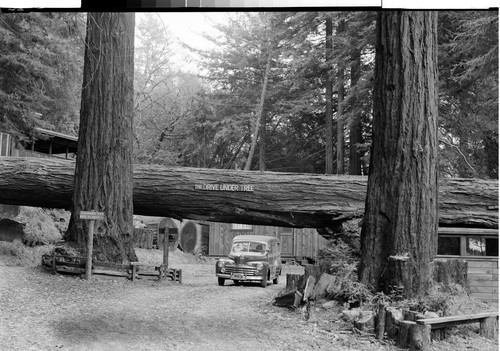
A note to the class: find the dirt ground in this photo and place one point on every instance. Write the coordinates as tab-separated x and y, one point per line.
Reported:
41	311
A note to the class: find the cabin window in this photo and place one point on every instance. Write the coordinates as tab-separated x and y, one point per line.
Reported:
449	245
237	226
481	246
468	244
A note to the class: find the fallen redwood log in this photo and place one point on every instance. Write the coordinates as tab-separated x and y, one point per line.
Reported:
269	198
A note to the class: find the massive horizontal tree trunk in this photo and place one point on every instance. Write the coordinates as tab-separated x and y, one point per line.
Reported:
281	199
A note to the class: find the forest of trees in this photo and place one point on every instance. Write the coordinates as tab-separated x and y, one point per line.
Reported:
315	114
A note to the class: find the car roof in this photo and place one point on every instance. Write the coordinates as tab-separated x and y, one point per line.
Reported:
262	238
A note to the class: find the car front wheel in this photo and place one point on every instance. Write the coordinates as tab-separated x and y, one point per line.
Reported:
221	281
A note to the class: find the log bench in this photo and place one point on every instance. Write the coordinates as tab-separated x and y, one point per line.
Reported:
422	330
487	322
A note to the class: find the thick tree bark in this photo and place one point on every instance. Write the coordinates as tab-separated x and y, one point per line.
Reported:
288	199
103	174
399	234
328	98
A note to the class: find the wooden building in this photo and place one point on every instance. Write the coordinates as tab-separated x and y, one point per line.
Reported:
46	143
297	244
479	248
214	239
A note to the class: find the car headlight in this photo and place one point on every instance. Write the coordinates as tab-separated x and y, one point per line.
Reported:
221	264
259	266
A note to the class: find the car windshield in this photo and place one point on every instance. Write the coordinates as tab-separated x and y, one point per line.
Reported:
249	247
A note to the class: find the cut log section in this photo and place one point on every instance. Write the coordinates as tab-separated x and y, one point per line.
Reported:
190	237
261	198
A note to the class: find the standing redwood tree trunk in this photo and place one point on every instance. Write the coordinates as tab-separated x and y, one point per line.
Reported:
328	96
103	174
355	132
340	108
399	234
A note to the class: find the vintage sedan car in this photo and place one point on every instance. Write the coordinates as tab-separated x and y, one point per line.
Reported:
253	258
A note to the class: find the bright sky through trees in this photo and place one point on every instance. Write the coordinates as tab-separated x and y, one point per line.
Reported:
188	27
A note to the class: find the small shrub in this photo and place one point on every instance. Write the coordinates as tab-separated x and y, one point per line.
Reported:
338	257
17	254
340	260
43	226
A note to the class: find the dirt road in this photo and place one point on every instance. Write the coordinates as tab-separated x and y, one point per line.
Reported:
40	311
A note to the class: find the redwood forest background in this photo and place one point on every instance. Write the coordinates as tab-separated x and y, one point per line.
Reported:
206	117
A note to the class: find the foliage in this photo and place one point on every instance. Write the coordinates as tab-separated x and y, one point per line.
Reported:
468	70
446	300
16	254
208	121
41	66
166	104
42	226
340	260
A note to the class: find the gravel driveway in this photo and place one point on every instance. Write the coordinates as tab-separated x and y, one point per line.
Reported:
41	311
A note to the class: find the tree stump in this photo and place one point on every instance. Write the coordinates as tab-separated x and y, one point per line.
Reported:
420	337
325	284
293	282
393	317
287	296
404	333
489	327
380	321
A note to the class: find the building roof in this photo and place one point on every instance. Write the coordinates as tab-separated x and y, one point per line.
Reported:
53	142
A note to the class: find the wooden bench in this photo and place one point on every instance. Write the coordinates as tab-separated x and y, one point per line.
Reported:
155	271
487	322
422	330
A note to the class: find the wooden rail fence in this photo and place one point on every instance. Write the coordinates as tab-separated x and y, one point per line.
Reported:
133	271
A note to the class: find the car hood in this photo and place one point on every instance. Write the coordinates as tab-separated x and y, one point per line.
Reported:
245	258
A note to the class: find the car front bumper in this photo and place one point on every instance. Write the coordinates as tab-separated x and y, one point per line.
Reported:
233	277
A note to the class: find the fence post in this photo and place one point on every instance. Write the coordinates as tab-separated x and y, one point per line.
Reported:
165	248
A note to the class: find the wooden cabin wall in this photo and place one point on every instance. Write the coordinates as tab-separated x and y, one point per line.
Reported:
215	239
295	243
307	243
482	276
482	271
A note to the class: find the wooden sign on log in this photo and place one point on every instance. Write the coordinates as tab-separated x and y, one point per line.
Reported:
225	187
98	216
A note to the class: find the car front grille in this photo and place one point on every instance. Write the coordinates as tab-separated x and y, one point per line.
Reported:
241	269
